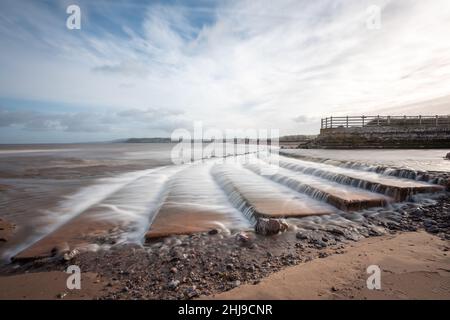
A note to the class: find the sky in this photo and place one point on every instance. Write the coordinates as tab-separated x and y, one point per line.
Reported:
145	68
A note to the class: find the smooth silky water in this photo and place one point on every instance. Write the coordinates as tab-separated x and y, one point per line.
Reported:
134	186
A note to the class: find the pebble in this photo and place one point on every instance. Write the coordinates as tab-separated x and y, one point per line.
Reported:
301	236
61	295
242	237
191	292
70	255
174	284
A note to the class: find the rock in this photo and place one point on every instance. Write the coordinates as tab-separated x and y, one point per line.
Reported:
301	236
177	242
270	226
70	255
318	243
213	231
191	292
447	156
60	249
173	285
61	295
237	283
242	237
173	270
433	229
428	223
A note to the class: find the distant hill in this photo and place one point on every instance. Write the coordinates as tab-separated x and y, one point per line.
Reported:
297	138
147	140
292	138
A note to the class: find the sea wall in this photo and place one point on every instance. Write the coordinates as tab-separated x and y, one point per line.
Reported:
383	137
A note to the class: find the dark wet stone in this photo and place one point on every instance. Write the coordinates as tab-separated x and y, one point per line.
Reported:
213	231
270	226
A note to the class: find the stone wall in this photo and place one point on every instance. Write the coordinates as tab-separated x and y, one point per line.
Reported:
383	137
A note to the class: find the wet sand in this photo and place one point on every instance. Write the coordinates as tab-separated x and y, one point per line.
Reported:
49	286
6	230
413	266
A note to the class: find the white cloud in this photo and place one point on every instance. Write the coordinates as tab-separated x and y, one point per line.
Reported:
256	64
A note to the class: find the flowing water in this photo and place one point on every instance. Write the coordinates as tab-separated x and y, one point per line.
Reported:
99	195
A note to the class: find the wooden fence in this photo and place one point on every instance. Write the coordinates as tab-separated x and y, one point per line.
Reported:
384	121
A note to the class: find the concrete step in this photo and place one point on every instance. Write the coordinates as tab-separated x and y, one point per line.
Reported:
121	216
256	196
398	188
345	198
194	203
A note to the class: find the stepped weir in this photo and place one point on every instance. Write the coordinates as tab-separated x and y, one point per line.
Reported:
230	195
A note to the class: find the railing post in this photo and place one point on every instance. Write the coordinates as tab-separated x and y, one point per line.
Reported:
331	122
378	120
420	120
321	123
404	120
347	121
437	118
363	121
389	120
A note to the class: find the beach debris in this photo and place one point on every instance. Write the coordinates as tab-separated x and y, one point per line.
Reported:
70	255
270	226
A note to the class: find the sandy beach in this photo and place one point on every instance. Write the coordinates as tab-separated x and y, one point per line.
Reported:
414	265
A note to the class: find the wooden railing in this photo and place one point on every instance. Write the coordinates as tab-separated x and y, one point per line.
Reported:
384	121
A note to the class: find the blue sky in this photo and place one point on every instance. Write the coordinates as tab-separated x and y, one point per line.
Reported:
145	68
